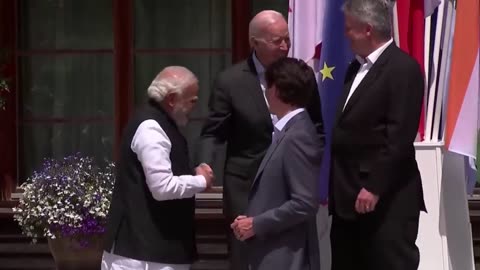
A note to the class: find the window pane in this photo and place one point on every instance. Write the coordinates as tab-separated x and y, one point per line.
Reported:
205	67
183	24
67	86
66	24
278	5
59	140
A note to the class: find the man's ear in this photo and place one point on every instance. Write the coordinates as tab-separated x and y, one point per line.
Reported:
369	30
171	99
253	42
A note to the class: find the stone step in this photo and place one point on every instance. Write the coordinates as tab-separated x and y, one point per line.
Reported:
211	265
25	256
20	238
20	249
10	250
17	238
29	263
17	252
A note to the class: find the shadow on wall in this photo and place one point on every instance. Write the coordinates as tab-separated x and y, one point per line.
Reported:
454	211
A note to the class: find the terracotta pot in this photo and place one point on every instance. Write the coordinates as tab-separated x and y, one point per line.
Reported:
70	254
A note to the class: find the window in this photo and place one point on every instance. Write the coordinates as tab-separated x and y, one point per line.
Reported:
278	5
65	74
78	68
195	34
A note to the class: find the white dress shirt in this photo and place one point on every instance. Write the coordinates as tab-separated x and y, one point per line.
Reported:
284	120
365	65
263	83
152	146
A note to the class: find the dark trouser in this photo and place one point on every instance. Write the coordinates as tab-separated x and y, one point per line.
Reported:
237	253
235	201
371	243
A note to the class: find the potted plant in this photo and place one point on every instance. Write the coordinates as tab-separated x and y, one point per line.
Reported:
67	201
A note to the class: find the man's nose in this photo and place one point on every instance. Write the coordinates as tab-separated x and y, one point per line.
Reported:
284	46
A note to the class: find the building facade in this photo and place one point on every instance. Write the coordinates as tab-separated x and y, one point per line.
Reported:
77	69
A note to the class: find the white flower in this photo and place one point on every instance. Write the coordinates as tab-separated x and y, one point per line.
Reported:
60	194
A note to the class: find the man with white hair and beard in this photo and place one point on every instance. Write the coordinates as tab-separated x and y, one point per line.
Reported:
151	219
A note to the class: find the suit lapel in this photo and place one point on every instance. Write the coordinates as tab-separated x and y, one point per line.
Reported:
256	92
350	76
269	153
275	144
368	80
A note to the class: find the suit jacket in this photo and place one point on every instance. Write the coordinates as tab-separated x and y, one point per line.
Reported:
284	200
239	117
372	139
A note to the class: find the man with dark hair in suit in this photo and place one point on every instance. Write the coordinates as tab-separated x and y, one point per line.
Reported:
375	187
280	221
239	118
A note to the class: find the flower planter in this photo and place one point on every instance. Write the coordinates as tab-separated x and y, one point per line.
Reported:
70	253
68	198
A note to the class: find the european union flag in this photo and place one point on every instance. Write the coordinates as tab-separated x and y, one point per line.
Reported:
334	59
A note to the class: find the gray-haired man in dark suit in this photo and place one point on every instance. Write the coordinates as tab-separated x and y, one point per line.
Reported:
279	225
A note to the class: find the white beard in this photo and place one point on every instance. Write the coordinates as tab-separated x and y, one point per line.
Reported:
180	116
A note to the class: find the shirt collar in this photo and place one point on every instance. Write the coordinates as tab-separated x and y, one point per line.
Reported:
284	120
373	57
258	66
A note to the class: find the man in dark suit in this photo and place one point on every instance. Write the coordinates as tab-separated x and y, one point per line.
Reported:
280	226
240	118
375	188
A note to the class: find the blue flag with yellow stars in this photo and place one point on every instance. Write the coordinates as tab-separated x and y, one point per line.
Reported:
334	59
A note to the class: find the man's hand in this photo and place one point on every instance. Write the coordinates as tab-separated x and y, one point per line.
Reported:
234	225
207	172
242	226
366	202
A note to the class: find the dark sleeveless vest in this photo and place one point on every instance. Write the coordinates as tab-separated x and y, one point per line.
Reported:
140	227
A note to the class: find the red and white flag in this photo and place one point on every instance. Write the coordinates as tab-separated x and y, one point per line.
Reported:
411	32
305	23
464	90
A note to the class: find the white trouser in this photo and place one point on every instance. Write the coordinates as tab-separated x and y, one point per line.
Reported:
115	262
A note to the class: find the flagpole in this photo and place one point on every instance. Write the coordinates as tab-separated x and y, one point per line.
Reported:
451	27
431	101
426	65
426	52
443	75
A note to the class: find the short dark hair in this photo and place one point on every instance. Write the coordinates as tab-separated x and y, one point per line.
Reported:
293	80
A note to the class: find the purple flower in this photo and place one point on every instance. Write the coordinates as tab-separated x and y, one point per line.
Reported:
68	197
